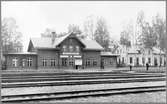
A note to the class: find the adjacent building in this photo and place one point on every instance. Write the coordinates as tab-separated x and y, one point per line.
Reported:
137	56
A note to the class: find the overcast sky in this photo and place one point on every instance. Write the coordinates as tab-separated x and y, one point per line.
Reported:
33	17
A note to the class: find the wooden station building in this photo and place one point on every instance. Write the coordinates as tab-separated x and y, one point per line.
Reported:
67	51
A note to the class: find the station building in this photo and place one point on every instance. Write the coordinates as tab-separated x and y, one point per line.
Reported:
58	53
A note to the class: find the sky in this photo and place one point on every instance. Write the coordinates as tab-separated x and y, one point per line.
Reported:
33	17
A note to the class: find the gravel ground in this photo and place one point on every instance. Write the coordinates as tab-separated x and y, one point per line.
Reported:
153	97
31	90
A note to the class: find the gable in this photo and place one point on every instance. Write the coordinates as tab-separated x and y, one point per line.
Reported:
48	43
31	47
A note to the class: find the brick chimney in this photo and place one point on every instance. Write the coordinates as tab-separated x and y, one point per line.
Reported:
53	36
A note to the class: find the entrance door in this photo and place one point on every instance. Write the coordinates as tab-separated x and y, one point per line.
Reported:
71	62
64	62
137	61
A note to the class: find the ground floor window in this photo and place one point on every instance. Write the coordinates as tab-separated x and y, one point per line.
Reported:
23	62
64	61
71	62
137	61
44	62
88	62
29	62
131	60
94	62
155	61
160	61
14	62
122	60
149	60
53	62
91	62
143	60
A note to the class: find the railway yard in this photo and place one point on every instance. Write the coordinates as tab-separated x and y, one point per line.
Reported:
69	86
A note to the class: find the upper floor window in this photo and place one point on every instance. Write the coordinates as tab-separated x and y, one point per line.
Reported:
14	62
29	61
71	48
77	48
64	48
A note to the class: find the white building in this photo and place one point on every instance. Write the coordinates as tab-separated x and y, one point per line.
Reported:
136	56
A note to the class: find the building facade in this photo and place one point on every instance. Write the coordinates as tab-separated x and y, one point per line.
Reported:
67	51
136	56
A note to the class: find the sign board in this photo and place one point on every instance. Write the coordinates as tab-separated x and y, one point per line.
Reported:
71	53
63	56
77	56
78	61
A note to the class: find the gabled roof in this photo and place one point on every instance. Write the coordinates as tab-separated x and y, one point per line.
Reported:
157	51
42	42
91	45
47	43
108	54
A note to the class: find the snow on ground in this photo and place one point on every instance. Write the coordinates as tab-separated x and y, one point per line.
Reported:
49	89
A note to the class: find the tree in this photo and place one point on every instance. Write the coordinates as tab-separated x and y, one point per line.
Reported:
49	33
125	39
11	37
89	27
159	29
148	36
102	34
139	27
76	29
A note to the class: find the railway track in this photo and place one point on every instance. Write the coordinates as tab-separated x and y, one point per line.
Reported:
78	94
55	78
79	82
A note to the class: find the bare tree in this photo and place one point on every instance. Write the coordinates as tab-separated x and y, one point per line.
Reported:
102	33
11	37
89	27
49	33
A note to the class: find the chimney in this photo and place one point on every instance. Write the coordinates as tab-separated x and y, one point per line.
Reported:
53	36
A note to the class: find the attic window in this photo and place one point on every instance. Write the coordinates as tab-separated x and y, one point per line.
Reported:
64	48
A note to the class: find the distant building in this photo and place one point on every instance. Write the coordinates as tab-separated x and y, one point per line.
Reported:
58	53
138	56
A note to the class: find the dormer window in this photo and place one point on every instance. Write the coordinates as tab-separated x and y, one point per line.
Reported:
77	48
64	48
71	48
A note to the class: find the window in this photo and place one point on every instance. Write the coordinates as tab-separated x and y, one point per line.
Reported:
143	60
23	62
149	60
137	61
94	62
53	62
88	63
160	61
77	48
71	62
29	62
64	61
71	48
64	48
14	62
155	61
122	60
44	62
131	60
